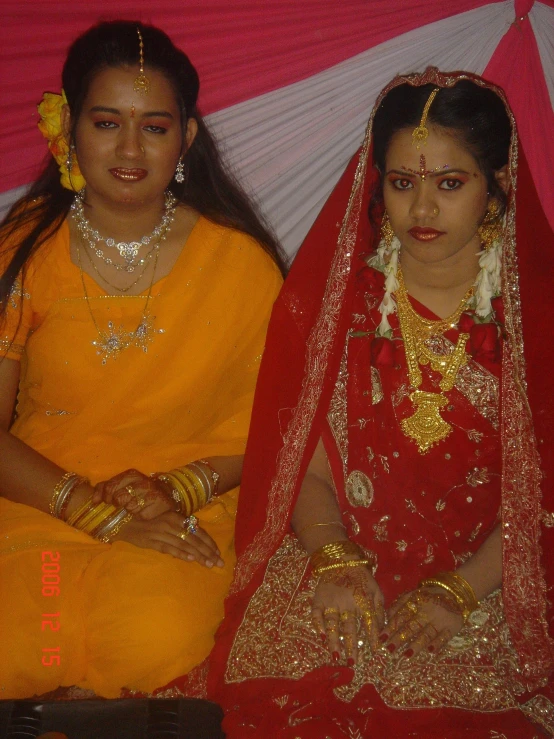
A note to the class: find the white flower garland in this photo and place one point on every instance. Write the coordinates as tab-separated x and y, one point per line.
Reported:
488	283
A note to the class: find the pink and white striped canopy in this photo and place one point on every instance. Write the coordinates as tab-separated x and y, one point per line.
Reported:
287	85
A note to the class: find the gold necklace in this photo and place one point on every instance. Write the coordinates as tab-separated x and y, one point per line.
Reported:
115	339
426	426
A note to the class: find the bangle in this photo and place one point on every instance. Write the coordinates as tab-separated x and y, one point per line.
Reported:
341	565
113	526
314	525
209	486
215	476
333	552
458	587
62	493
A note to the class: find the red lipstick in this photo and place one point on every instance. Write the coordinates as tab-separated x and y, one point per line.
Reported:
128	175
425	234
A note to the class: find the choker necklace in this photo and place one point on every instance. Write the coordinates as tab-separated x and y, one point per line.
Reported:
128	250
115	339
153	252
426	426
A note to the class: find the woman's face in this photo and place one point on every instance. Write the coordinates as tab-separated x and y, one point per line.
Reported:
436	197
127	143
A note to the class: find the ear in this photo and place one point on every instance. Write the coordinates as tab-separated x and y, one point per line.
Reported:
501	177
190	134
66	122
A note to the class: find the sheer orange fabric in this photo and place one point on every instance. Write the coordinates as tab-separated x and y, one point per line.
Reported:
129	617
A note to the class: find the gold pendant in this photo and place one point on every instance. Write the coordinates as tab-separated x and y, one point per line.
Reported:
426	427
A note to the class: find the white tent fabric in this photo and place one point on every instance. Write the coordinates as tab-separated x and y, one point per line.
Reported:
291	146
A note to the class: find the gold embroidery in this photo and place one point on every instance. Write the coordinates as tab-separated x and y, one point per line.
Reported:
398	396
377	394
380	529
473	381
478	477
540	710
8	345
337	410
359	489
547	519
478	671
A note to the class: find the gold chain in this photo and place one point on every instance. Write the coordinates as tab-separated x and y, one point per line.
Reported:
426	426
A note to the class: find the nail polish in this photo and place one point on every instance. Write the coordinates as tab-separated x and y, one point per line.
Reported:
383	638
350	662
409	653
391	647
431	648
335	656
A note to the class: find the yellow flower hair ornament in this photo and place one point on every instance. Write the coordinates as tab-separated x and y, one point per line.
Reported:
50	126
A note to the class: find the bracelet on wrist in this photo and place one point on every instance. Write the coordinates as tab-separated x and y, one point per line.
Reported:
459	589
62	493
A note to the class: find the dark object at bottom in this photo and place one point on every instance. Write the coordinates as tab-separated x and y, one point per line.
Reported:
187	718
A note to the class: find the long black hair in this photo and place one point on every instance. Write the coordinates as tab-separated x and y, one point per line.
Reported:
208	187
475	116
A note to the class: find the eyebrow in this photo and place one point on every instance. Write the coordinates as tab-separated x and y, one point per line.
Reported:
115	111
441	173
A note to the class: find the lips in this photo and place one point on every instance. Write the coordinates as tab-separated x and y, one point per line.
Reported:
425	234
128	175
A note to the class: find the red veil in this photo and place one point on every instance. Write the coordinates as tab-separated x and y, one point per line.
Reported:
297	377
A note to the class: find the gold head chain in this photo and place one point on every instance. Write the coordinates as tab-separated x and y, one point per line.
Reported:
142	83
421	132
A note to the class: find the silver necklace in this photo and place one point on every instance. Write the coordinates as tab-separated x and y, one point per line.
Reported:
128	250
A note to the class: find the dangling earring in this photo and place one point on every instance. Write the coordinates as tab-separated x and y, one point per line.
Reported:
180	171
69	158
490	230
387	234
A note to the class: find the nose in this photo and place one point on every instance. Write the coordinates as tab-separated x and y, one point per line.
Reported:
129	144
423	206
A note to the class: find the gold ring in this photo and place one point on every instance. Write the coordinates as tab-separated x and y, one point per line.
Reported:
131	490
141	502
331	629
347	615
331	612
411	606
183	535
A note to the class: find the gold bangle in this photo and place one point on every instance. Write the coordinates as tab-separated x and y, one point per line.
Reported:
463	597
314	525
76	515
201	492
340	565
187	500
58	489
333	552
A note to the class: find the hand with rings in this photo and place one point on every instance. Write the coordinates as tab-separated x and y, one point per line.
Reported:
141	495
426	618
173	534
348	611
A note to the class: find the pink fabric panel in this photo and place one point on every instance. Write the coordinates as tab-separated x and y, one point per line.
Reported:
240	49
516	67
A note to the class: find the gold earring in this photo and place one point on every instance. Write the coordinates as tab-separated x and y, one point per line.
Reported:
490	230
387	234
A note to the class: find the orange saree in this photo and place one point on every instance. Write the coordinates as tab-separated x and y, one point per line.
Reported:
128	617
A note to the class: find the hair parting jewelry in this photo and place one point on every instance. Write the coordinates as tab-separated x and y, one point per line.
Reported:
142	83
421	132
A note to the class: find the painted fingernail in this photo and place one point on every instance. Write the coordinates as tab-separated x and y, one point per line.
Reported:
391	647
431	648
350	662
323	637
335	656
409	653
383	638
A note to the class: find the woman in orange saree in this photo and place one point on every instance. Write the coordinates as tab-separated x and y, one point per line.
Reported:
403	448
119	377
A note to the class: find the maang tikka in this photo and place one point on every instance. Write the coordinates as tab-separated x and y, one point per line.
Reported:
421	132
142	83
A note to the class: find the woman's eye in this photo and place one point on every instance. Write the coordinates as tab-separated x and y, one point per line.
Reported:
155	129
450	184
402	184
105	124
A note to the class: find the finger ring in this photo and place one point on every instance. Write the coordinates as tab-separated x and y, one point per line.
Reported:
347	615
331	612
191	524
131	490
411	607
330	629
141	502
184	535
